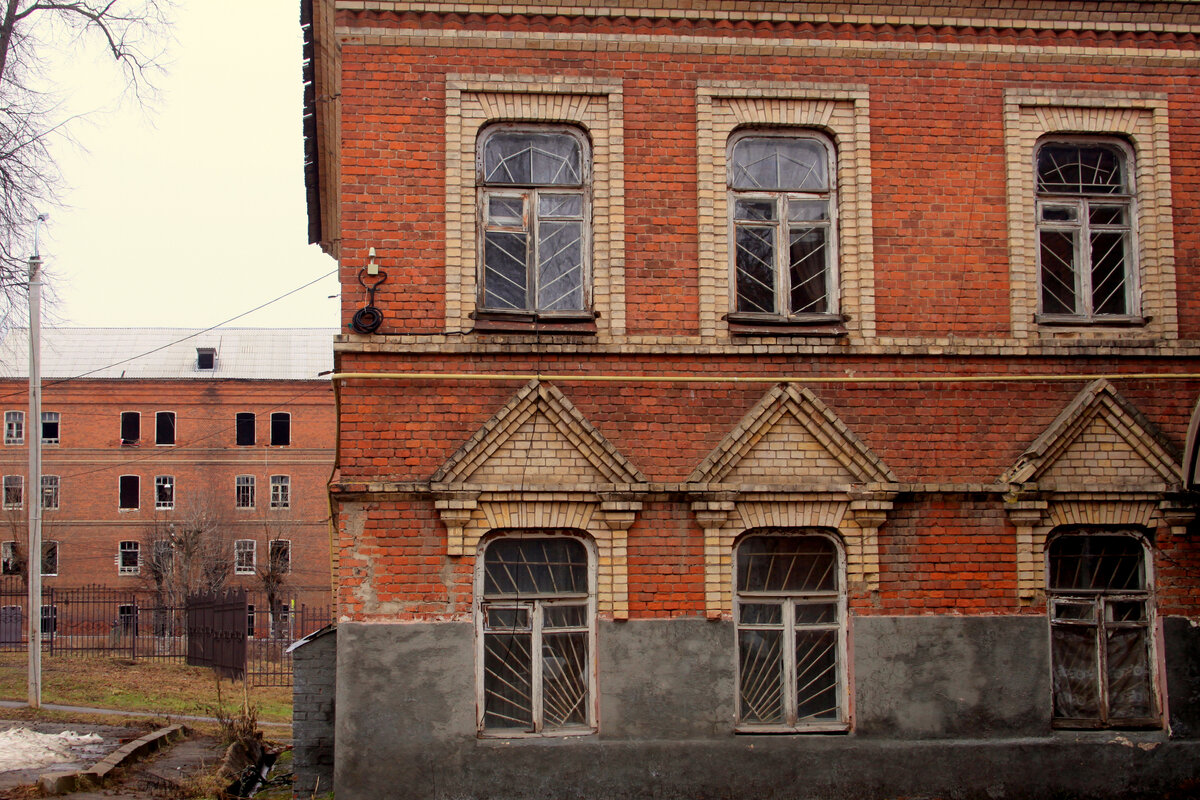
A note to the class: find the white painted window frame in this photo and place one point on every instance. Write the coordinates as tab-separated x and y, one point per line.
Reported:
536	604
789	601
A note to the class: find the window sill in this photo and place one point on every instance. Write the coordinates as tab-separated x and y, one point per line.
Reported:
581	324
498	737
821	727
1061	321
811	325
1096	725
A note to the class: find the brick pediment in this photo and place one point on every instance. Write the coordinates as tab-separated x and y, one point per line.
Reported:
791	439
1100	441
538	438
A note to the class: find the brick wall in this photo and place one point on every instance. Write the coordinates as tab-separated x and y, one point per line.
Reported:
204	461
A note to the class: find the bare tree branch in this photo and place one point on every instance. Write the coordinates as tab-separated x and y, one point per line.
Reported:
132	33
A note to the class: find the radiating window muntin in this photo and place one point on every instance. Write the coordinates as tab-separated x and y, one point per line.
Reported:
1101	631
1086	232
535	216
536	597
790	611
782	190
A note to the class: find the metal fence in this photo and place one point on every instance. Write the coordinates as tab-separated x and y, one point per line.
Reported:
103	621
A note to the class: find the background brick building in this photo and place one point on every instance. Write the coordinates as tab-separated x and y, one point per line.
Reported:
762	368
150	433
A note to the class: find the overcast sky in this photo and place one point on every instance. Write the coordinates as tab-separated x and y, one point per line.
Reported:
192	211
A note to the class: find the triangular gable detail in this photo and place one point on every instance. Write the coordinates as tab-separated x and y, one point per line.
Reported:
787	407
542	403
1097	410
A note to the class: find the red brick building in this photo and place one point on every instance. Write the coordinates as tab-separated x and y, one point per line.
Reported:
762	399
152	436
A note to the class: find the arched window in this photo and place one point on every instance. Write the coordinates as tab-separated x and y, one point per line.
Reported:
1101	644
1086	254
783	227
791	621
537	630
535	205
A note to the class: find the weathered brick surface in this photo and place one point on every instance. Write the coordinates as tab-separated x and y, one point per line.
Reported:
932	120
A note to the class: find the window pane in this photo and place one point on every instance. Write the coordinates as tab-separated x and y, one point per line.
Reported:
1085	612
565	616
1108	272
504	266
130	491
807	210
1107	215
1060	213
1079	169
816	613
807	272
787	564
564	679
761	614
1076	672
779	163
1129	694
760	663
506	210
560	205
544	159
816	675
754	210
506	619
535	566
1125	611
1097	563
560	266
507	681
755	262
1059	290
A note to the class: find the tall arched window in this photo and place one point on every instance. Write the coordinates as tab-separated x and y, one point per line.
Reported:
1101	643
535	207
1086	254
537	634
783	226
791	622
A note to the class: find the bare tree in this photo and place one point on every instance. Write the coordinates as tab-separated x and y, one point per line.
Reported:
14	553
132	33
274	570
188	551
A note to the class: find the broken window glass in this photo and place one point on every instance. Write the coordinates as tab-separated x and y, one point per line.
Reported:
535	228
790	627
1100	634
1085	233
537	615
782	198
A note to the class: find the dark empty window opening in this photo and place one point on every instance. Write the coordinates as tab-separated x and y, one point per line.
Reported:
131	427
50	425
164	427
206	358
281	429
130	491
245	429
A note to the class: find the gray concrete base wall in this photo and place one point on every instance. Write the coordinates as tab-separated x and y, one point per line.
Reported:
944	706
314	679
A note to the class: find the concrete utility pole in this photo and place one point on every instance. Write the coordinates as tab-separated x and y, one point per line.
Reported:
33	431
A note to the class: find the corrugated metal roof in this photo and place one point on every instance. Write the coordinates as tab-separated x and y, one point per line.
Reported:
170	353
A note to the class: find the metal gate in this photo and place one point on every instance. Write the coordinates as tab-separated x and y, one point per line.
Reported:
216	628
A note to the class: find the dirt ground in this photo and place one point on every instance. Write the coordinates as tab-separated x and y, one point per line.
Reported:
168	774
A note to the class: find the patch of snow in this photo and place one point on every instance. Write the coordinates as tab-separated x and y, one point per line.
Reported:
21	748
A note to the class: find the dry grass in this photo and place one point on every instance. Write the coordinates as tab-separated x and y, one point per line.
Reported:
160	689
